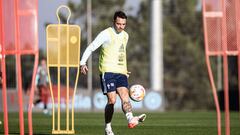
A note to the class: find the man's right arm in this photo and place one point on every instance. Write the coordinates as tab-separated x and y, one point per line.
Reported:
98	41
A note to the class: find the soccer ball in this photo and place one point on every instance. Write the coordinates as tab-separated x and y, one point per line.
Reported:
137	92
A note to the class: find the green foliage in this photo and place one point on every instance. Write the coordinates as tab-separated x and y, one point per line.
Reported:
139	47
186	79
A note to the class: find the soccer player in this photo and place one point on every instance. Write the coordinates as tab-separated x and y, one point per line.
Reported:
113	69
42	85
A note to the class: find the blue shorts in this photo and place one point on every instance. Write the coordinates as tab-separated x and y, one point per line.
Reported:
111	81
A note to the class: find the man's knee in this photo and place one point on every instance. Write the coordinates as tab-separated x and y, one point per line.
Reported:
111	100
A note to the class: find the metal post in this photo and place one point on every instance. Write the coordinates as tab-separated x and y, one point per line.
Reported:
225	71
19	69
89	39
156	72
3	70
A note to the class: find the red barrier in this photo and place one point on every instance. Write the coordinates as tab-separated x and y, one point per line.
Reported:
18	36
221	34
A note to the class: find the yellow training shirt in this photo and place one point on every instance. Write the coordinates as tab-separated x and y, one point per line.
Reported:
113	57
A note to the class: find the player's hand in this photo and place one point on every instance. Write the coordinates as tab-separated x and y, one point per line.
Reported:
128	74
84	69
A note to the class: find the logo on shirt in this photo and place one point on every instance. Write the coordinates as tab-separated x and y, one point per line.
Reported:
121	55
121	49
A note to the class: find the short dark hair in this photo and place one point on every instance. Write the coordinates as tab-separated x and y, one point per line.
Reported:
120	14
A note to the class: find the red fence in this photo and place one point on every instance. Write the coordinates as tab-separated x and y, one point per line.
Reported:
18	36
221	20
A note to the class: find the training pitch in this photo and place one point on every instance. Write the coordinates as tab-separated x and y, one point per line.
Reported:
166	123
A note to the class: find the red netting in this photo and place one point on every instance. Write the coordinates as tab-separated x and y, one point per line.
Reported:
28	33
213	5
231	25
8	25
219	23
28	25
214	33
27	5
19	26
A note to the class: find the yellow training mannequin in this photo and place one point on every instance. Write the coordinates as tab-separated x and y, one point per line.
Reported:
63	51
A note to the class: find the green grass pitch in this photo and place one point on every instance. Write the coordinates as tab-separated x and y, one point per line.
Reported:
166	123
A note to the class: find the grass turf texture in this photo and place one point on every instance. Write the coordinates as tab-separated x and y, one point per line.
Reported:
167	123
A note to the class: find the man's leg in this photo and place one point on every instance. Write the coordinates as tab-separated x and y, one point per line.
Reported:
126	105
44	98
109	110
127	108
45	101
